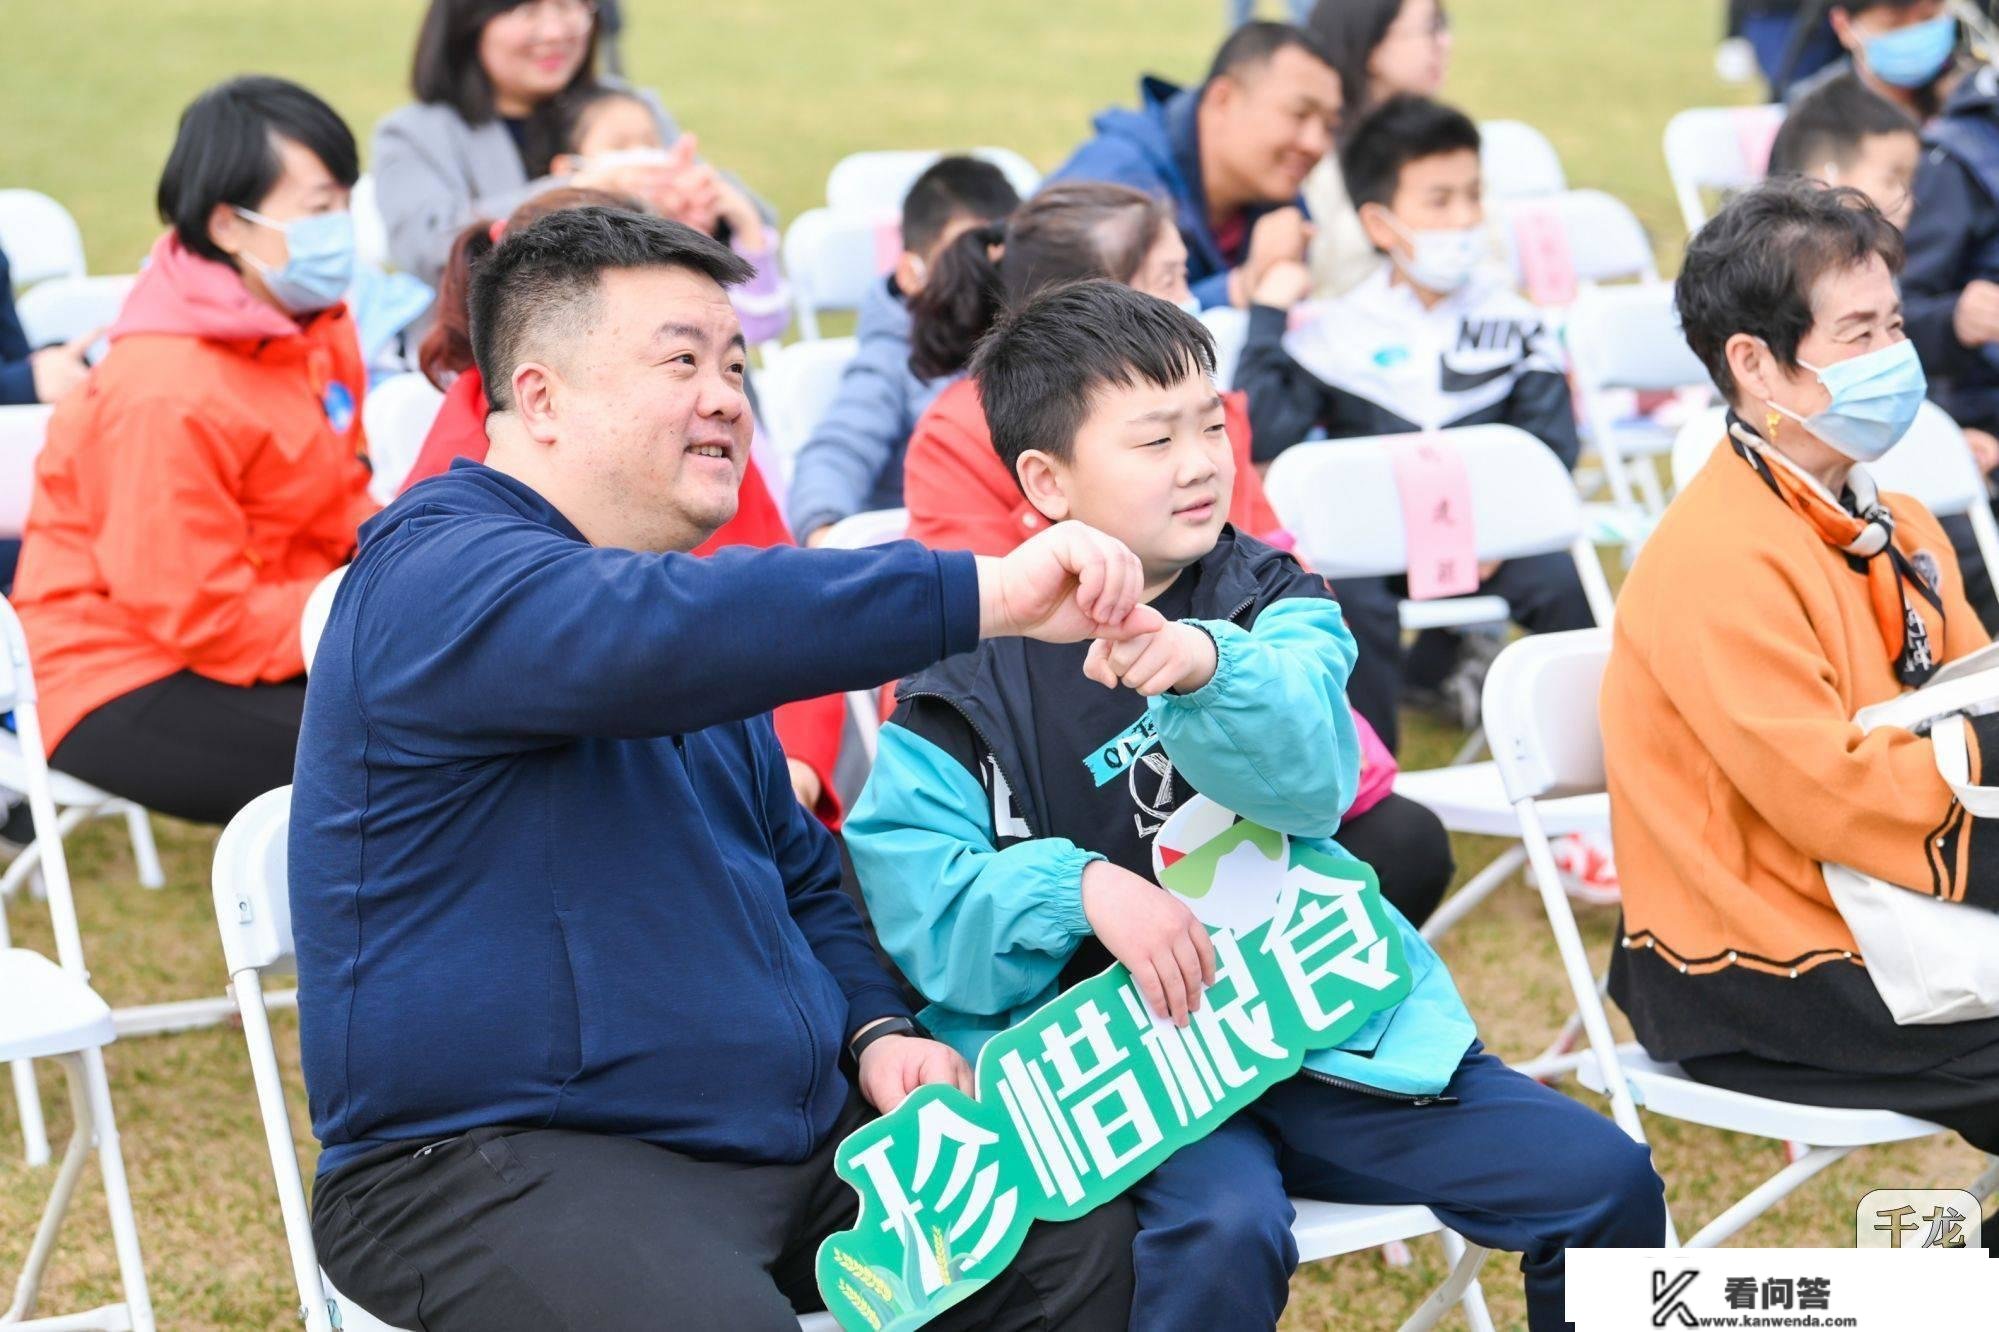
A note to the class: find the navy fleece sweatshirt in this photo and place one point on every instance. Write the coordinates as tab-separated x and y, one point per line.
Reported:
546	865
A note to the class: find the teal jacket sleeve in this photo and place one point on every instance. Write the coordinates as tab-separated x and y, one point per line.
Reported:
973	928
1271	735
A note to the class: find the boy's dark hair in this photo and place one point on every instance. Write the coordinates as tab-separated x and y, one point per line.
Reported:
446	70
1829	124
1752	268
950	188
1256	44
1068	231
226	152
576	107
546	276
1038	368
1401	130
1349	31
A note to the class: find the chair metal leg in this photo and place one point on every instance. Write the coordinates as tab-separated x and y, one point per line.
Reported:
1766	1195
28	1287
27	1096
1459	1288
145	852
1479	887
118	1194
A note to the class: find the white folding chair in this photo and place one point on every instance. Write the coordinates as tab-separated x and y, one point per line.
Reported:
1229	327
876	527
50	1011
1719	148
312	622
1541	708
40	237
396	415
253	913
1338	498
875	182
69	307
22	432
831	258
795	386
1600	239
1624	341
1932	464
1517	161
371	233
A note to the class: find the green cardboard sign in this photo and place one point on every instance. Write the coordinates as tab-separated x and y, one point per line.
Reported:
1087	1095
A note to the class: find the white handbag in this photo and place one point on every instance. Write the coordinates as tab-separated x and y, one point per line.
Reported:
1931	960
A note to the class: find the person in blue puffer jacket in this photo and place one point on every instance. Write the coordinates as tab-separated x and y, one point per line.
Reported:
1003	859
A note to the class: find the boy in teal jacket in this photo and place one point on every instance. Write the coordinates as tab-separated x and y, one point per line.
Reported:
1004	843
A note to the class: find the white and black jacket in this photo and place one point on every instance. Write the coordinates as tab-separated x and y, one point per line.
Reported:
1375	362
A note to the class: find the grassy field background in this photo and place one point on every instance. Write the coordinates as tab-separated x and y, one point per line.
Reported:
778	90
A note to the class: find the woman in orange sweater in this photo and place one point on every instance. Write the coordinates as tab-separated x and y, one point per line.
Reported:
1781	594
209	474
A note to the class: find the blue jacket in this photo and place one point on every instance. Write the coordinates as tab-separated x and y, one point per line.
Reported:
984	919
853	462
1953	238
1157	149
17	377
547	867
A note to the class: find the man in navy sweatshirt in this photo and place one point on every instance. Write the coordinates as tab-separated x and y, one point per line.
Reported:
1231	153
584	1012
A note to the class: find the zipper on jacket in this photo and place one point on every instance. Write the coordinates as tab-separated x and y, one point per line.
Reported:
1347	1084
785	977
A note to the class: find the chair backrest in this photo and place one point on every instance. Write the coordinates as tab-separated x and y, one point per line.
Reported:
253	906
1601	239
795	386
831	258
22	432
1932	463
371	233
1540	714
40	237
1230	327
397	415
1518	162
17	695
318	606
1720	148
1629	338
875	182
876	527
69	307
1339	499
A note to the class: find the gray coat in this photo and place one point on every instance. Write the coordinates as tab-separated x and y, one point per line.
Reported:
434	173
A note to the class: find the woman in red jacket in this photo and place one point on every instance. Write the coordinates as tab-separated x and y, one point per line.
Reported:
808	730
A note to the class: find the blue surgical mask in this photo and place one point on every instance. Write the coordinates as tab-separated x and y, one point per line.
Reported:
320	260
1875	398
1912	57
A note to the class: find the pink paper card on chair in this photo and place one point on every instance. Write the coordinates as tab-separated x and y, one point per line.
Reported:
1436	519
888	242
1547	265
1755	130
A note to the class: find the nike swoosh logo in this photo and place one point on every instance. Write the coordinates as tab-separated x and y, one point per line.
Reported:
1455	381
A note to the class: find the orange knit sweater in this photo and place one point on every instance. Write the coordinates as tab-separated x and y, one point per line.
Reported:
1743	645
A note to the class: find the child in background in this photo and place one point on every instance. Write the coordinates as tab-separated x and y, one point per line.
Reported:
607	127
1435	338
1000	868
853	461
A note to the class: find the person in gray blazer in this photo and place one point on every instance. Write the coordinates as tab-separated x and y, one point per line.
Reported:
491	78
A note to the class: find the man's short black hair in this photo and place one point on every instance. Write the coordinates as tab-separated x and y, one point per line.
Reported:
546	275
1401	130
226	152
1829	124
1256	44
1752	268
1038	367
950	188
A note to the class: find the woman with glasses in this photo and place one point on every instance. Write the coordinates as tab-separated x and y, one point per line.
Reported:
1382	49
496	83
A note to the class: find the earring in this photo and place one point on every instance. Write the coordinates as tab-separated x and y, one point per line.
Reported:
1771	421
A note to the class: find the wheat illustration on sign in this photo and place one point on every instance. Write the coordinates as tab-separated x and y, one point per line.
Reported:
1087	1095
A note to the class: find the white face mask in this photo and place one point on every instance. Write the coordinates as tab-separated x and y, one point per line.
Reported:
1440	260
627	157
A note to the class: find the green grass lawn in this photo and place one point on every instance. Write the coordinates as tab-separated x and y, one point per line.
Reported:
778	90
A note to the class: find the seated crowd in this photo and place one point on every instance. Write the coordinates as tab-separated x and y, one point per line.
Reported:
569	749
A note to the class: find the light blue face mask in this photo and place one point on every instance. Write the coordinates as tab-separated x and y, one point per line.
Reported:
1875	398
320	263
1911	57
